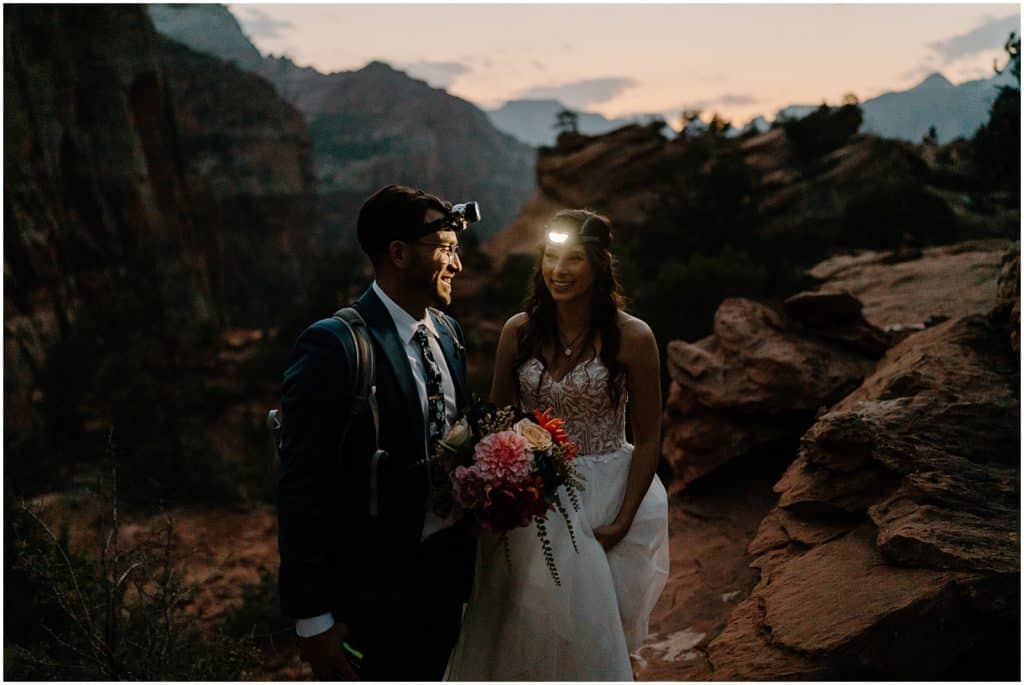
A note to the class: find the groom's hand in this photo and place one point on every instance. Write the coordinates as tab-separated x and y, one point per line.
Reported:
326	656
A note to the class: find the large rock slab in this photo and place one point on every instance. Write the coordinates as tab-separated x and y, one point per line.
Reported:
744	651
942	401
757	380
840	611
837	315
904	290
836	592
897	525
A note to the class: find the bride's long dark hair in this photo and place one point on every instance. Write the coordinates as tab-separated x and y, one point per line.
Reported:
541	327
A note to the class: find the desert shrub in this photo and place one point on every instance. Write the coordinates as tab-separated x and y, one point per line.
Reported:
681	300
258	617
822	131
892	214
110	613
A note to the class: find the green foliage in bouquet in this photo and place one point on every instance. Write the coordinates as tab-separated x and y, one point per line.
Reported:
505	467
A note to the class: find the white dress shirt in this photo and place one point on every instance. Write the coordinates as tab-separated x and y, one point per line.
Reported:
406	326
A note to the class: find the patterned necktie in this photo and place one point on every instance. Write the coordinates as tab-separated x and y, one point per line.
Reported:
435	396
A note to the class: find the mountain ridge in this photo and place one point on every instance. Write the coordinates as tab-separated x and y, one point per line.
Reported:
377	125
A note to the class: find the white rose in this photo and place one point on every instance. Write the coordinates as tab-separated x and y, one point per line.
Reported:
538	438
459	434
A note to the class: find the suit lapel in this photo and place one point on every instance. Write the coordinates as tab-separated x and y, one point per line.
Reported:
449	347
383	330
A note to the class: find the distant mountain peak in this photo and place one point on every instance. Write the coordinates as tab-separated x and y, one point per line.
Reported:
936	79
378	65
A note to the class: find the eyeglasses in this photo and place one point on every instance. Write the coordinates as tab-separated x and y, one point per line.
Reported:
450	250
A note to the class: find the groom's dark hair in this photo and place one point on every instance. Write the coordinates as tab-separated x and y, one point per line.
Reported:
392	213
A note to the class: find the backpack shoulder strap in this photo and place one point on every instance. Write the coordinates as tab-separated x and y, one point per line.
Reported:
364	390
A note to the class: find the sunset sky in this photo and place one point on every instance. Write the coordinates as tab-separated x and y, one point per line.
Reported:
740	60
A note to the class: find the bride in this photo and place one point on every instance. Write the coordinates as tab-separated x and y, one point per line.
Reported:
575	350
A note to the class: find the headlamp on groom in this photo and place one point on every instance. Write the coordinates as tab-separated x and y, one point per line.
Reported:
397	212
458	219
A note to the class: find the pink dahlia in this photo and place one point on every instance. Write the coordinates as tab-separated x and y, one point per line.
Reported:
467	487
503	458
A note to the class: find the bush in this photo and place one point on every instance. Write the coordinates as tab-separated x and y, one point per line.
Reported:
680	302
116	614
890	215
259	617
822	131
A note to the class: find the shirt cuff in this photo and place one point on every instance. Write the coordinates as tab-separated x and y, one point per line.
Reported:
309	627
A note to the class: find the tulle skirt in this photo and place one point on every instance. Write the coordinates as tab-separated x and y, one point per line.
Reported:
519	625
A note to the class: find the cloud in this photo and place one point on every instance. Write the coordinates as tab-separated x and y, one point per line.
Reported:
726	100
437	74
736	100
580	93
990	35
259	24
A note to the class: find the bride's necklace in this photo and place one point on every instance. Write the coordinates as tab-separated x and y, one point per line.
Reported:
567	347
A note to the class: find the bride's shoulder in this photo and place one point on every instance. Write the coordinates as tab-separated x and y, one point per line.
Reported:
515	322
638	345
633	329
508	341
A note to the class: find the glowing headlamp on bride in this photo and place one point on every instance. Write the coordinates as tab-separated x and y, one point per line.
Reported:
564	230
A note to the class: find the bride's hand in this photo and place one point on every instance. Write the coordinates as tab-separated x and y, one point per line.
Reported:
610	535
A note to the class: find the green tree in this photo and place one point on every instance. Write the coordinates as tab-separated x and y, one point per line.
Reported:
823	130
996	145
719	125
689	119
567	121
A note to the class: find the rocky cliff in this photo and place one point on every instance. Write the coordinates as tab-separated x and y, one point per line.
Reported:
806	208
893	548
153	196
95	194
375	126
248	163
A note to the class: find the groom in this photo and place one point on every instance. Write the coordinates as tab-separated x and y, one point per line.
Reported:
377	594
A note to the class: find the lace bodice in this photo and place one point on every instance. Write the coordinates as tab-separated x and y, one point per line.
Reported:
582	399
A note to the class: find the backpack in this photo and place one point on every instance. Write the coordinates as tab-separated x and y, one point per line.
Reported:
364	398
364	393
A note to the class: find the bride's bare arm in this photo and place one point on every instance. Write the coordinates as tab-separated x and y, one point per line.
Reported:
504	389
643	380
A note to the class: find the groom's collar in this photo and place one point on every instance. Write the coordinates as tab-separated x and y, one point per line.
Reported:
405	324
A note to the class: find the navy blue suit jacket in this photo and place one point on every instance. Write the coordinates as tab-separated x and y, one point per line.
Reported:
335	555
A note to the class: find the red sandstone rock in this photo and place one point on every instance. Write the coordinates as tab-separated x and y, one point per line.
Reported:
949	281
751	383
927	448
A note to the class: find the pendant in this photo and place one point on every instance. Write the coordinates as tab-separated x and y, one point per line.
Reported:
568	352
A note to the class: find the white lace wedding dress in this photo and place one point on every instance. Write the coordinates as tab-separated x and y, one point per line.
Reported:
519	625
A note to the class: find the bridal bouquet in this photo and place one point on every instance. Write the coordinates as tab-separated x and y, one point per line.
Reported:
505	467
